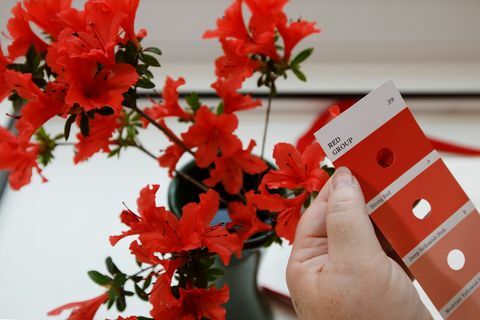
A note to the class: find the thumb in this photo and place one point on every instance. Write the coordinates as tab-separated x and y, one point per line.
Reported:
350	232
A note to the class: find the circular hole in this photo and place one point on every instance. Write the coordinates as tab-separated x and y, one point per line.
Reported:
385	158
456	259
421	208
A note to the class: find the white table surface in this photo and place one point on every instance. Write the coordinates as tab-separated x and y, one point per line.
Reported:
52	234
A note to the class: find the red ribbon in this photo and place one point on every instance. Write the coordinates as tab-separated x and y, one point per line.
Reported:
325	116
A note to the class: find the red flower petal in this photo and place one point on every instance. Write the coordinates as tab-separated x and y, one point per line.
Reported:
22	34
83	310
210	134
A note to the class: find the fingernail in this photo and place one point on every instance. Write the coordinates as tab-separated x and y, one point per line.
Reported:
342	177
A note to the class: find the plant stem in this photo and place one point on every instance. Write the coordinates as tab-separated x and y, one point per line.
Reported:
165	131
65	144
180	173
141	271
267	120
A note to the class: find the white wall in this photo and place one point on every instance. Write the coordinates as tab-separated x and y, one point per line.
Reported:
429	45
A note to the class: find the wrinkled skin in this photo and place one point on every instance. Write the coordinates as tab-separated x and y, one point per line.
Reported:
338	269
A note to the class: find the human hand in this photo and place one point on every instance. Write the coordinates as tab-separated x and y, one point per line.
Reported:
337	268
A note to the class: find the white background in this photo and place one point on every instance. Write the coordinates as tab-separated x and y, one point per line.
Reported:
51	234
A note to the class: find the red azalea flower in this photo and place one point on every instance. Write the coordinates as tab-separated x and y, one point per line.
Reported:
83	310
18	158
97	39
195	303
159	230
231	25
170	157
98	139
170	106
23	37
4	87
129	9
93	89
41	106
292	33
232	100
127	318
261	38
235	64
47	14
229	170
265	14
244	218
288	211
296	170
212	133
216	238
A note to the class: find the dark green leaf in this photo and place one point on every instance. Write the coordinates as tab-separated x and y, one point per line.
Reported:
33	59
150	60
147	282
111	298
220	108
136	278
105	111
111	267
148	74
145	83
68	126
120	279
140	293
302	56
153	50
193	100
114	153
329	170
84	125
99	278
121	303
300	75
144	318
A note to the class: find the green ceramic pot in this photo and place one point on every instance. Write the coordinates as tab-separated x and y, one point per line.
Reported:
246	300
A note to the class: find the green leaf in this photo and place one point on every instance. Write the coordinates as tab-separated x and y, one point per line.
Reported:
302	56
33	59
114	153
300	75
145	83
329	170
68	126
141	293
111	267
99	278
193	100
84	125
148	74
153	50
147	282
220	108
121	303
144	318
150	60
105	111
111	297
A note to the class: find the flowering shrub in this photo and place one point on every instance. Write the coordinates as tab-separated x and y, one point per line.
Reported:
86	68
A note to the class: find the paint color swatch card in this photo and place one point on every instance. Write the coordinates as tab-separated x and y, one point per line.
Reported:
412	197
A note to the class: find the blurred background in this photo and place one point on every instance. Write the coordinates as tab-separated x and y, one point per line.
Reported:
52	234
